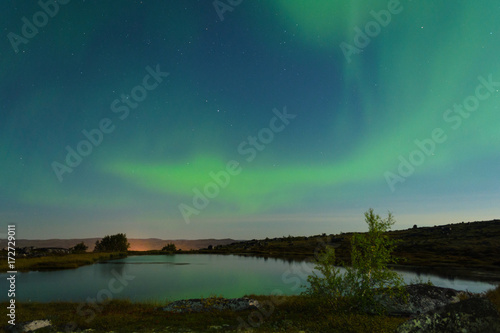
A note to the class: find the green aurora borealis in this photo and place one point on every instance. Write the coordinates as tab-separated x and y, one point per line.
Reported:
318	174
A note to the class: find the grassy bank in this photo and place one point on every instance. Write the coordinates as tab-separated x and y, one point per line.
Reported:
293	314
59	261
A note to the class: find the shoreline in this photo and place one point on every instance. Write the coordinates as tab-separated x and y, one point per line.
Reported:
462	250
259	313
449	271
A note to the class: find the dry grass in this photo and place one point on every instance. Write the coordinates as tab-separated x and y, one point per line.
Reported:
494	297
59	261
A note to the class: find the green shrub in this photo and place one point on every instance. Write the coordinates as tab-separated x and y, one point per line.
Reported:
494	297
79	248
356	287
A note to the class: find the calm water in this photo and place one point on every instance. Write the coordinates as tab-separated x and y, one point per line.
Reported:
181	276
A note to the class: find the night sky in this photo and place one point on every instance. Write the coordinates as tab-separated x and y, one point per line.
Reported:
246	119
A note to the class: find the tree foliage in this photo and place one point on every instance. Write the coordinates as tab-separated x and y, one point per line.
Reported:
114	243
170	247
79	248
357	285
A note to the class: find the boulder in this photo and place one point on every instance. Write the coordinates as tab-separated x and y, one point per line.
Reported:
473	315
29	326
211	304
421	298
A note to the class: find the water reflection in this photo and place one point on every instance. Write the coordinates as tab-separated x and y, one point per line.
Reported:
189	276
105	270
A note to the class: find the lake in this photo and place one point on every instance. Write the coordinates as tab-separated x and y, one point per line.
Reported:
180	276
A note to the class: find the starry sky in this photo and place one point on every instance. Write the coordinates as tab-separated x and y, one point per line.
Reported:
246	119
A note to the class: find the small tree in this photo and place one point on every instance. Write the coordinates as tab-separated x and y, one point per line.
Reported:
371	252
115	243
79	248
170	248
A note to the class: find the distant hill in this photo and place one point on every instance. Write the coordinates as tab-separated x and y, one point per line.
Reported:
136	244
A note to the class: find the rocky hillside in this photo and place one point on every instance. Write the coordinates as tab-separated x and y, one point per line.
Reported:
466	248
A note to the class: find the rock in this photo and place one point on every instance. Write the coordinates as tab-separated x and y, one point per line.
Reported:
29	326
210	304
473	315
421	298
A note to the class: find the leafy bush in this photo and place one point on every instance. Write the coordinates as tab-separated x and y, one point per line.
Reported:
370	254
170	248
79	248
115	243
